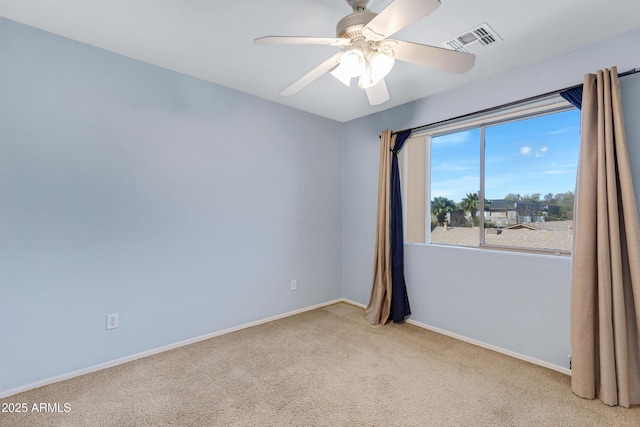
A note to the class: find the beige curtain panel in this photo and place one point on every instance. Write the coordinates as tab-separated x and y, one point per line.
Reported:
605	288
379	307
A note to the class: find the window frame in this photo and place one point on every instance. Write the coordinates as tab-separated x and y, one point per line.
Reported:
551	104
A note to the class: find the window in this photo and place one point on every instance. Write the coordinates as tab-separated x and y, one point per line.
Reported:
504	180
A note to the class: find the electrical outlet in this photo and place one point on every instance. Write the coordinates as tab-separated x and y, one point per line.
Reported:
112	321
294	285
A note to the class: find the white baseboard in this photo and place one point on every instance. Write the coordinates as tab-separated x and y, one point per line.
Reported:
157	350
480	343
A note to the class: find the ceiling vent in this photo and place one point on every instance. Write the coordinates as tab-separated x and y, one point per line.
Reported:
474	39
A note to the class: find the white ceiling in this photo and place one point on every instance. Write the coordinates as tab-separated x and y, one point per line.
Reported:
213	40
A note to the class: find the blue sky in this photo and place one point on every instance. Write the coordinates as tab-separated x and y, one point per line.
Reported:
538	155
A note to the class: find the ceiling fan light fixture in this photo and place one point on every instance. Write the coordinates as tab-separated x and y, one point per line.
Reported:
340	74
353	62
381	64
378	66
366	79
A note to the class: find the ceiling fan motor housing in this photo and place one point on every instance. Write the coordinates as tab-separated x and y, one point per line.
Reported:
351	25
357	5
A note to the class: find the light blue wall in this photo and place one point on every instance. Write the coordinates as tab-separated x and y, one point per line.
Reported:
514	301
184	206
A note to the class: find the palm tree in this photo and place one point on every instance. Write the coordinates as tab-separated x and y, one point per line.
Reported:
440	207
470	204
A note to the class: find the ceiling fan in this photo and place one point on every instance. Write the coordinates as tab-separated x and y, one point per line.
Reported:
367	52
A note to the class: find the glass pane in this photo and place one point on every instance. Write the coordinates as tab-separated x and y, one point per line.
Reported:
455	179
530	178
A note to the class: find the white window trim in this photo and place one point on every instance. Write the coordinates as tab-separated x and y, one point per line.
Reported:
547	105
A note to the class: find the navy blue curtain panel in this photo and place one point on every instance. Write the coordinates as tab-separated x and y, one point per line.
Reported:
574	96
399	298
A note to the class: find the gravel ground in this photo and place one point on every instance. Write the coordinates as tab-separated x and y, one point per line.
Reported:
546	235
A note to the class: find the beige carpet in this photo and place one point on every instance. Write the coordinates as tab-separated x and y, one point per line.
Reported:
326	367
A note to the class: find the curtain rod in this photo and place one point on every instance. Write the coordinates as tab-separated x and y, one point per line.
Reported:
510	104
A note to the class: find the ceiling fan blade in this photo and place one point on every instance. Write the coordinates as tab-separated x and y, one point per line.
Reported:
312	75
378	94
302	40
434	57
400	13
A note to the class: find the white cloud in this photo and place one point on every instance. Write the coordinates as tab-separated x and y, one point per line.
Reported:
541	152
